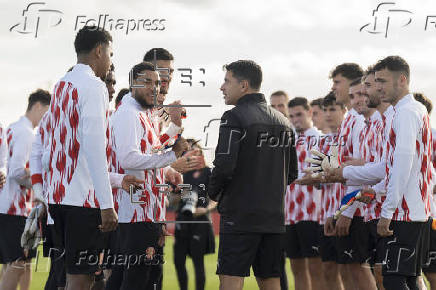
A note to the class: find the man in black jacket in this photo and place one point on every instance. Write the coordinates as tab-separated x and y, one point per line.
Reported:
254	161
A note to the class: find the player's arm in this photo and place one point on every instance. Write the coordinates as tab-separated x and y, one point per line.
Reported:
357	129
126	132
368	174
226	154
116	179
175	125
17	162
170	132
3	156
93	119
3	150
35	166
406	127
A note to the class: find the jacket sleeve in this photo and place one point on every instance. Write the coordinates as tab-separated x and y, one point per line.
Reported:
3	150
94	127
293	161
226	154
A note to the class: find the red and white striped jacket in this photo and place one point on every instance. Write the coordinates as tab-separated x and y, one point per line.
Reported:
15	197
433	132
134	138
349	144
302	202
408	164
79	152
371	150
3	150
330	192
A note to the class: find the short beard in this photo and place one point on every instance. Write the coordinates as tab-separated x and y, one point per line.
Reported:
395	96
143	103
163	91
372	104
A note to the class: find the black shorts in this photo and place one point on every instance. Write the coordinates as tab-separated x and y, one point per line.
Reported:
77	228
353	249
113	241
376	245
407	248
52	241
135	238
302	240
52	248
12	227
239	251
136	277
194	239
327	247
430	266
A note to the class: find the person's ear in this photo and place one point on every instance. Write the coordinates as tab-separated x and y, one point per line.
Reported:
98	51
403	80
244	85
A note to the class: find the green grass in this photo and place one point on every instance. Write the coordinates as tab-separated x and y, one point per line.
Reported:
42	267
170	279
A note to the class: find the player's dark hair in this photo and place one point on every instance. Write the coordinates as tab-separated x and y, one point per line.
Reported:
38	96
420	97
246	70
330	100
317	102
120	96
369	71
89	37
161	54
138	68
356	82
280	93
349	71
299	101
393	63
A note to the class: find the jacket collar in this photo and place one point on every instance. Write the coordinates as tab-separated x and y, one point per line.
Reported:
251	98
404	100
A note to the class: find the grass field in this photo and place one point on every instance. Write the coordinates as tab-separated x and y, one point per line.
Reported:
41	267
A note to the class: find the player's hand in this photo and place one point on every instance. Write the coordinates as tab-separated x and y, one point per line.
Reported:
130	180
320	161
176	113
334	175
2	179
109	220
190	161
367	195
31	235
343	226
329	227
165	232
149	253
383	227
180	146
173	177
199	211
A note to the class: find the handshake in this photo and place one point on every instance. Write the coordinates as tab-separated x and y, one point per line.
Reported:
321	162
